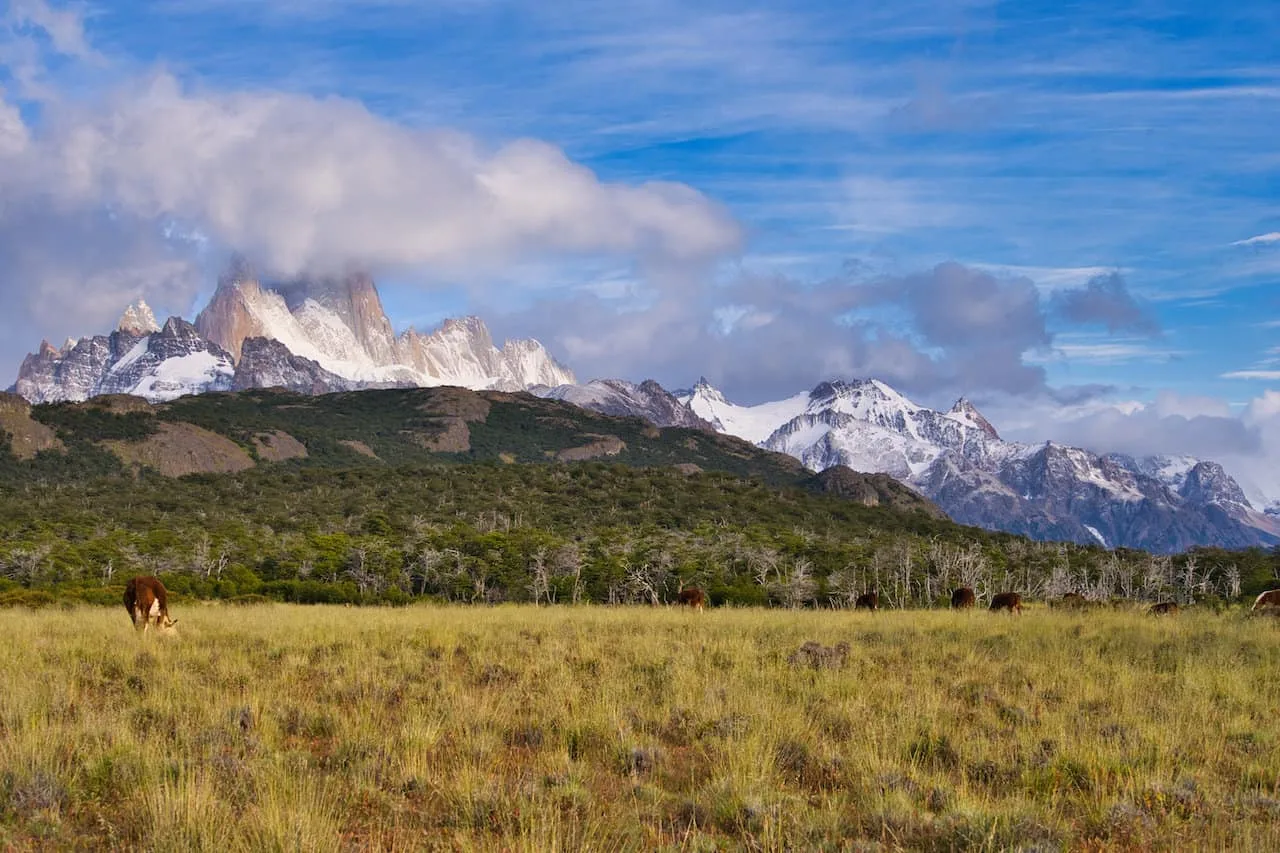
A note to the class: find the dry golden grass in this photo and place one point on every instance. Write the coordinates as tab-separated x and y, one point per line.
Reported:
284	727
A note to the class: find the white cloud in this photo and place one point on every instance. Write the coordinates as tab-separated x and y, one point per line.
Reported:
881	206
1269	375
1260	240
1105	352
63	27
300	182
295	182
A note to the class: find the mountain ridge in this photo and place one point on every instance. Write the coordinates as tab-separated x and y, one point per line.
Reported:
327	334
232	431
957	458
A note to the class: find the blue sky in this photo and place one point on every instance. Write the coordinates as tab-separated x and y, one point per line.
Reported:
850	147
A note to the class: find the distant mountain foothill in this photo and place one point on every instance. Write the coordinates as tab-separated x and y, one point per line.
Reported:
326	335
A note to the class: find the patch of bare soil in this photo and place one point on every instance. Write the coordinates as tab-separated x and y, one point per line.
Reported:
277	446
28	436
449	402
359	447
454	437
178	449
455	408
604	445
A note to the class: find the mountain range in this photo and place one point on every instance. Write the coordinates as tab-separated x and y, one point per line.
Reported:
324	335
1047	491
311	336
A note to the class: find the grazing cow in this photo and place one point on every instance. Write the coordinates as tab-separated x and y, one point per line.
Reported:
1072	601
693	597
1164	608
962	598
148	603
1010	601
1268	601
867	601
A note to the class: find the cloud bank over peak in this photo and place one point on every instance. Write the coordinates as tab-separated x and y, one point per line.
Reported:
300	182
152	182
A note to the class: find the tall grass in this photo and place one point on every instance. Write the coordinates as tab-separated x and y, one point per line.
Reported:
283	727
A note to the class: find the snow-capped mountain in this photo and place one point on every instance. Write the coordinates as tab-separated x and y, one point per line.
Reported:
313	336
754	423
267	363
648	400
341	326
137	358
957	458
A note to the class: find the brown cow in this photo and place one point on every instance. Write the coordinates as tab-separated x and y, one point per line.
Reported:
148	603
1164	608
962	597
1268	601
1010	601
1072	601
867	601
693	597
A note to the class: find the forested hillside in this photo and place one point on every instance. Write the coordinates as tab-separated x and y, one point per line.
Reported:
391	495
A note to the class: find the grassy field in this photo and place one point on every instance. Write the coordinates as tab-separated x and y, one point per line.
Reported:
284	727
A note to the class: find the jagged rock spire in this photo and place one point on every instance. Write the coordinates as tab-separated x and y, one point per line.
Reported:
138	319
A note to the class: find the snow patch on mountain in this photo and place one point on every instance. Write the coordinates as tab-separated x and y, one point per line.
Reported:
754	423
648	400
956	458
329	335
194	373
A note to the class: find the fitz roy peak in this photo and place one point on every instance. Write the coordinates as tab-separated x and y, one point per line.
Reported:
311	336
956	458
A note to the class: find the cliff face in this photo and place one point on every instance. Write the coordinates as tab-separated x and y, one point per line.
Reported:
265	363
313	335
354	300
230	316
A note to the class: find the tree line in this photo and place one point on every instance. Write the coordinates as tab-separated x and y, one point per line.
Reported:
545	533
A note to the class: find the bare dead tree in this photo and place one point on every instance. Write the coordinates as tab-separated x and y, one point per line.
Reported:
764	564
1191	581
539	577
845	587
643	583
1060	581
797	586
1231	581
24	563
566	562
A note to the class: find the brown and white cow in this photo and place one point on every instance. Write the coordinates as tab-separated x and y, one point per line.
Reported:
148	604
1268	601
692	597
962	597
1010	601
1164	608
867	601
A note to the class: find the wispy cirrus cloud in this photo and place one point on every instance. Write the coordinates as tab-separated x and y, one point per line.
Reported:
1268	375
1048	145
1260	240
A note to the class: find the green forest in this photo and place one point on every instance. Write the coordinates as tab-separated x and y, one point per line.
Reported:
369	509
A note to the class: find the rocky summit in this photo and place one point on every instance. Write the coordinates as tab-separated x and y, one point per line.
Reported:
958	459
313	335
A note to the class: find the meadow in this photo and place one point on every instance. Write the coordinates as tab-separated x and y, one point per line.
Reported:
277	727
